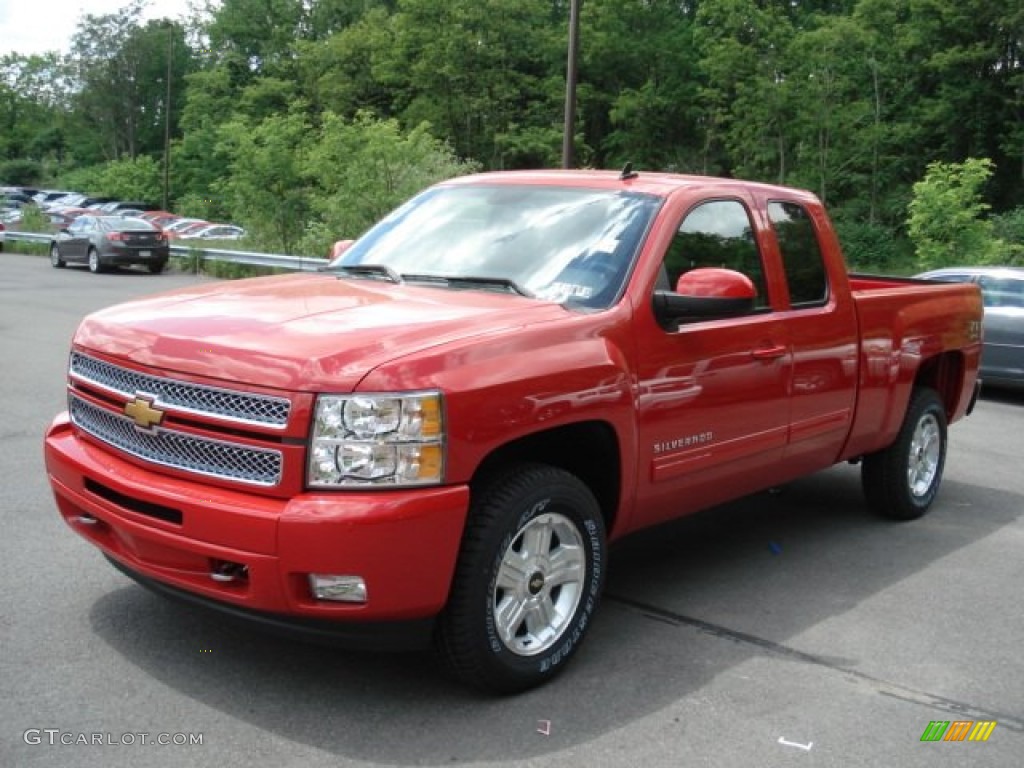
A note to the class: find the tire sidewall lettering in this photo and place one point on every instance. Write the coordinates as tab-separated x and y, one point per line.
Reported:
574	632
531	513
494	641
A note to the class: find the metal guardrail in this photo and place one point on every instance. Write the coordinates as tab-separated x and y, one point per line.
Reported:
251	258
28	237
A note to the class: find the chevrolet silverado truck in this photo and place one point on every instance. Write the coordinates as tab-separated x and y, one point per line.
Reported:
436	437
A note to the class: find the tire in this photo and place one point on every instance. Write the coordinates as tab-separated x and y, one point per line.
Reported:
901	481
156	267
55	260
527	582
95	265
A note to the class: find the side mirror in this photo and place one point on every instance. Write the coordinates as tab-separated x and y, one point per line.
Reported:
339	248
707	293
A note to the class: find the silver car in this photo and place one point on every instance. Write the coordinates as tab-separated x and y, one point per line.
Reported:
1002	291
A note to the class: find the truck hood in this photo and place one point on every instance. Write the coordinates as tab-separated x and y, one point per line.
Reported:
299	332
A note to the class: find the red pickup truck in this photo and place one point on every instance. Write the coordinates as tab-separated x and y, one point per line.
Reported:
437	436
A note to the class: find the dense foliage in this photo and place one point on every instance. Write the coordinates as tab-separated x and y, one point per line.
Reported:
304	120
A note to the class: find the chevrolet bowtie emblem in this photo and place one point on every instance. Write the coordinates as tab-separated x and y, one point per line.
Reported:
142	412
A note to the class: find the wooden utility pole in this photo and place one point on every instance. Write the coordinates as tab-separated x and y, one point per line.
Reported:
167	118
569	129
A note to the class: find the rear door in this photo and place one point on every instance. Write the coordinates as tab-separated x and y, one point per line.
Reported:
821	325
77	244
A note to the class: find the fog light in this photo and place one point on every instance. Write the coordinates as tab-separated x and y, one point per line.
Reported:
340	589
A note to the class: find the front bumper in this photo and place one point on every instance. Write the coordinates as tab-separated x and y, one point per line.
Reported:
177	534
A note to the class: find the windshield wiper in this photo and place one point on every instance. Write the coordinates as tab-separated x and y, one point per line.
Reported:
469	281
374	271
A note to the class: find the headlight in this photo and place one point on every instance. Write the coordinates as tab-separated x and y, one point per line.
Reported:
389	439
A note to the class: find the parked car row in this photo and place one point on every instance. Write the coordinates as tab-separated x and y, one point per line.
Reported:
64	206
12	200
103	232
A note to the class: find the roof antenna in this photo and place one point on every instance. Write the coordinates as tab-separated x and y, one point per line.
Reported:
628	172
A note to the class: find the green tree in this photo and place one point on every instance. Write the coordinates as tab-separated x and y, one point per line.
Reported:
21	172
833	118
478	69
325	18
359	170
264	188
130	178
34	101
639	102
946	73
1009	231
256	37
747	123
355	68
947	221
197	160
120	68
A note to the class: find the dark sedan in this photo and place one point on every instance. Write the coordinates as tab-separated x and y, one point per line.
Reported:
1002	291
110	241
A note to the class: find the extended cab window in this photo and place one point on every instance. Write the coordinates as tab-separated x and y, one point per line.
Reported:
801	254
1002	292
716	234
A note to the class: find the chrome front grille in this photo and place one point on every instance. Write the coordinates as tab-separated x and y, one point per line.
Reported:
199	399
179	450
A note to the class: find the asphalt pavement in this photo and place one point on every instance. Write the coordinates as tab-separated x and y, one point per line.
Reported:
791	628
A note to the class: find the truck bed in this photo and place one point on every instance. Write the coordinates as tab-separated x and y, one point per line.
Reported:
907	324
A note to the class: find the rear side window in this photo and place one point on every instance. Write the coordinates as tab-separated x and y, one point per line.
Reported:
717	234
801	254
1002	292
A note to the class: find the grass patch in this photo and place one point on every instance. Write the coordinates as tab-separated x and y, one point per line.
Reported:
30	249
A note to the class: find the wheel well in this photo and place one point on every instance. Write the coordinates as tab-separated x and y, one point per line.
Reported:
945	374
588	450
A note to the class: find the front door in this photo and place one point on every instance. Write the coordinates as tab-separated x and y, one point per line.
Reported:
712	396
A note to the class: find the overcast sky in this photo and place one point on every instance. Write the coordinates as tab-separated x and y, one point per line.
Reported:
37	26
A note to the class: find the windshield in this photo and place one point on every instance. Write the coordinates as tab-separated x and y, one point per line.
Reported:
567	245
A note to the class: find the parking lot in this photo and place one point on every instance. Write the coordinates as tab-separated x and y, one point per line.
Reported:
791	628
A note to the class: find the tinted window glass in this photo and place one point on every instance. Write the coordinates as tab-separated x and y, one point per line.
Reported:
801	254
1002	292
717	234
115	223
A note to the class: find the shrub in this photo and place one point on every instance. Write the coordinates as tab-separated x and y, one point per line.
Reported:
947	224
873	247
21	173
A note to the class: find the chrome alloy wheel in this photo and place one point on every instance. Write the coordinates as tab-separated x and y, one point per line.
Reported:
925	455
539	584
